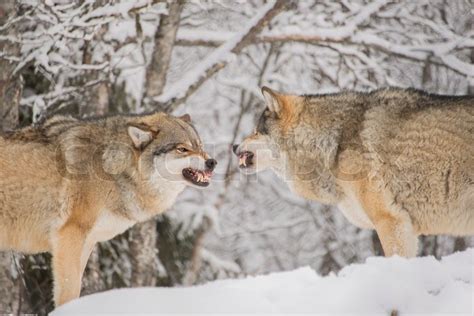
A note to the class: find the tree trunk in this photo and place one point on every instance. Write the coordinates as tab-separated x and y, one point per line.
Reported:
10	93
143	236
9	285
164	41
180	255
143	254
10	85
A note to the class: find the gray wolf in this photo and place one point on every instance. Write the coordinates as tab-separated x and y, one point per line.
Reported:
67	184
400	161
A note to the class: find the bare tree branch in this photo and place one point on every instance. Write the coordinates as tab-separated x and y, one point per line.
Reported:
219	58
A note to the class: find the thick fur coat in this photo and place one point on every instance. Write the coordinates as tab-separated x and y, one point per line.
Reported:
400	161
67	184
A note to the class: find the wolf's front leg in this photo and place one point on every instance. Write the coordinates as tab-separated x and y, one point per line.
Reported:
68	249
393	226
396	235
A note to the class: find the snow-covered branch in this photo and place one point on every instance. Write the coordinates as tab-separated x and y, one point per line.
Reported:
52	97
441	46
443	51
179	91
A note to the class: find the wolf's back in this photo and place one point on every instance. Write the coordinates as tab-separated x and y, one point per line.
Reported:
421	146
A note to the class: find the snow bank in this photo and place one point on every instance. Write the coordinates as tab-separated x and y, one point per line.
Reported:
379	286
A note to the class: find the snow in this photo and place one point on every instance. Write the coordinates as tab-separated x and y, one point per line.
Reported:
376	287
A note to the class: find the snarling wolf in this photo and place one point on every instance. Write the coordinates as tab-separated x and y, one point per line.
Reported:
400	161
68	184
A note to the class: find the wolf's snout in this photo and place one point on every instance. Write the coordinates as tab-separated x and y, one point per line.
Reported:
211	164
234	148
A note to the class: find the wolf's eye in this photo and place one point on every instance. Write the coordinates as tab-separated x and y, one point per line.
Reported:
182	150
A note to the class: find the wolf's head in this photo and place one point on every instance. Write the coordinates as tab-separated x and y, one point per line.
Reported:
265	148
299	137
170	149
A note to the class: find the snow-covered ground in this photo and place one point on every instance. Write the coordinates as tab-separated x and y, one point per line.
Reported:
377	287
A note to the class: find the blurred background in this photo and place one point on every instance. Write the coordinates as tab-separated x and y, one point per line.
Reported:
209	59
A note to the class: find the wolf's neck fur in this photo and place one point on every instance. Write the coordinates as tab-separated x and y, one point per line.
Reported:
327	125
148	197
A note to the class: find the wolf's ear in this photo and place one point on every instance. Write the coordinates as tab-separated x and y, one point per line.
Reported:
186	117
272	100
140	137
275	101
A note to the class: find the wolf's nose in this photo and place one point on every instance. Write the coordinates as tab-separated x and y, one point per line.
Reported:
234	148
211	164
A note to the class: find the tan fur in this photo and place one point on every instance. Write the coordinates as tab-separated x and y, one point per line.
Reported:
67	184
400	161
395	229
289	116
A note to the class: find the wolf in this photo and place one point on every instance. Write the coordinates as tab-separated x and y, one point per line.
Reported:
400	161
67	184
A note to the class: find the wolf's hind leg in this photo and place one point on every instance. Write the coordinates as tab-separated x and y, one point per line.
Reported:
397	236
68	249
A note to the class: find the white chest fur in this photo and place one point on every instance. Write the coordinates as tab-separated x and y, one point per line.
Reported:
160	198
354	212
109	225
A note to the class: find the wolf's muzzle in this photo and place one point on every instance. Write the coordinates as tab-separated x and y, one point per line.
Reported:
245	157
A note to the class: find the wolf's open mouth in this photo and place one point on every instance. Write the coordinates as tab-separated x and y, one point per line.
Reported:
246	159
197	177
